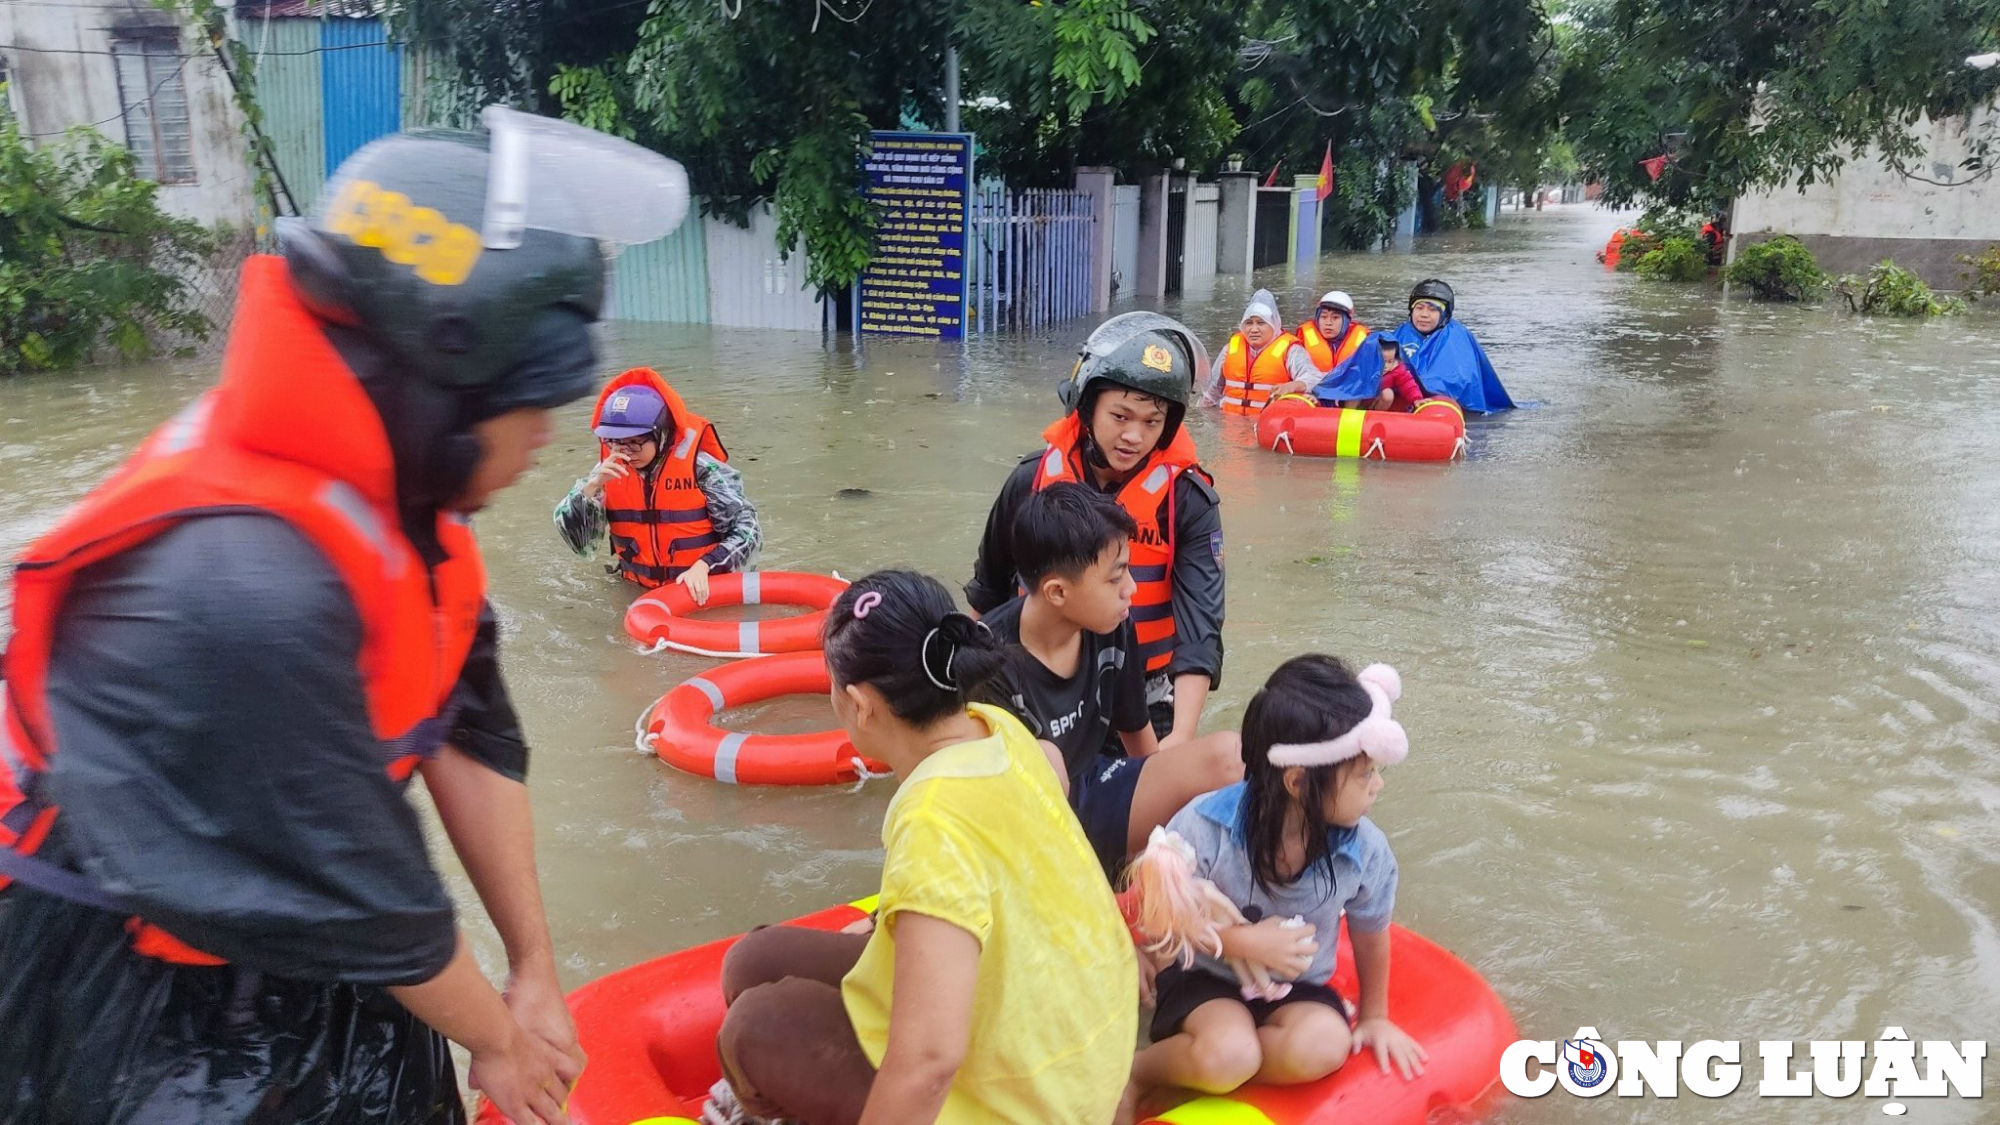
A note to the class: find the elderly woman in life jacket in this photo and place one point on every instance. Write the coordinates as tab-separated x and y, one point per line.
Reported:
1260	360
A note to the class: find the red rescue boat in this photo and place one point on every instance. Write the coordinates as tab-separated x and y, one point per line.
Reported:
650	1033
1434	431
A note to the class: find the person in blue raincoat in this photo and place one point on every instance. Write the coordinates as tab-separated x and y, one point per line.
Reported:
1444	355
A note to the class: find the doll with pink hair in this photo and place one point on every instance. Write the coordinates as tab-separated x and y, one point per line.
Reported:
1244	892
1180	913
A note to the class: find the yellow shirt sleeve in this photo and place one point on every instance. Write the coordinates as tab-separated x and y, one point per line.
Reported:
934	868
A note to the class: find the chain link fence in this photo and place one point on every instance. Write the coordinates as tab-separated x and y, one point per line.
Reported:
212	285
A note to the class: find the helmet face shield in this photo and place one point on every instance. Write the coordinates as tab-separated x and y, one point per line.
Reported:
558	176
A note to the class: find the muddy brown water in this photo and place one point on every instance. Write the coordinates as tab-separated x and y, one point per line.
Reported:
1699	653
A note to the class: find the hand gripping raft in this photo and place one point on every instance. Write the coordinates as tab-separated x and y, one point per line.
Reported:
662	618
680	728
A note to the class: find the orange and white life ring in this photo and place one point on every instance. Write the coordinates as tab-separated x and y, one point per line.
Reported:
680	728
661	618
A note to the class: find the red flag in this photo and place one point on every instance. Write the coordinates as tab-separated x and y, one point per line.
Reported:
1272	179
1655	166
1325	187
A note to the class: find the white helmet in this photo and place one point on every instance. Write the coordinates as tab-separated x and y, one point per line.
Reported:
1338	300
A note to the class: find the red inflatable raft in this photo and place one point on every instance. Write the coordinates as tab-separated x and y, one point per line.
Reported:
650	1033
1435	431
661	618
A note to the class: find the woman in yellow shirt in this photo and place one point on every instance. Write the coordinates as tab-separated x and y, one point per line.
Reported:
999	984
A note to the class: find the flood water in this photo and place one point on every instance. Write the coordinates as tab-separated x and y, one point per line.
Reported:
1699	653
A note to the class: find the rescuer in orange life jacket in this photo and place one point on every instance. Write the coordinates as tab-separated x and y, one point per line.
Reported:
230	658
1128	397
663	491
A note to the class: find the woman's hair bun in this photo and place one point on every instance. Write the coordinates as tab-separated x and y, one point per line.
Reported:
902	633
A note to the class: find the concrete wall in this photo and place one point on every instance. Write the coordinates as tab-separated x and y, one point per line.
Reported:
1236	223
1868	211
1124	239
1204	206
60	66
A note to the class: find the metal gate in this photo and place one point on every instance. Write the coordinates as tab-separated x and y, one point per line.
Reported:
1028	258
1274	227
1177	210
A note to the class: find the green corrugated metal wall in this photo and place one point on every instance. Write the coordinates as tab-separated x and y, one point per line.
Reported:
664	281
288	89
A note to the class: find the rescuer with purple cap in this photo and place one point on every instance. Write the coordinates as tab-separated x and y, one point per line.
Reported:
663	492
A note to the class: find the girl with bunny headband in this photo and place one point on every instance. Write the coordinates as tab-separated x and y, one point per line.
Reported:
1291	842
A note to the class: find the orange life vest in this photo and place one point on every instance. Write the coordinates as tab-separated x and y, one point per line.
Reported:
288	431
1149	498
1246	385
1325	356
658	519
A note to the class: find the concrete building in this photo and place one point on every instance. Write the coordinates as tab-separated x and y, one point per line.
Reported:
1869	211
130	71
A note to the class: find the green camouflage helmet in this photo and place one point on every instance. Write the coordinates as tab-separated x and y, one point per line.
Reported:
1148	352
394	248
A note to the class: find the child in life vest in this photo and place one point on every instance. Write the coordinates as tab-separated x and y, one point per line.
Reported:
663	492
1290	842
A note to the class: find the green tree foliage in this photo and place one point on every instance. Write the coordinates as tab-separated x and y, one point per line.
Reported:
1676	258
1747	95
86	256
1039	119
1890	290
1982	273
774	99
1779	269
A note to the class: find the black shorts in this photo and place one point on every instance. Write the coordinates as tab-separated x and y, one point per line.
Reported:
1102	798
1180	991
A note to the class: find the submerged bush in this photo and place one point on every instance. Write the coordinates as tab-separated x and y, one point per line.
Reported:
1636	245
87	257
1674	259
1982	279
1664	221
1891	290
1779	269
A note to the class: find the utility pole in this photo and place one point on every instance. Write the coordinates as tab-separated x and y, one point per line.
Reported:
950	88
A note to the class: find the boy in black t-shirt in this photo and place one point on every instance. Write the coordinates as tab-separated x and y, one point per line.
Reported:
1073	674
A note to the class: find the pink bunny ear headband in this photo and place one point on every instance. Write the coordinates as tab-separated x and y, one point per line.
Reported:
1378	736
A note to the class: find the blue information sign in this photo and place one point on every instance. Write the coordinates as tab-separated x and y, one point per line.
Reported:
921	187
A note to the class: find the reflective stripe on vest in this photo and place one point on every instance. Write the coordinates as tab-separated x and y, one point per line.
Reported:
1148	498
1246	385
